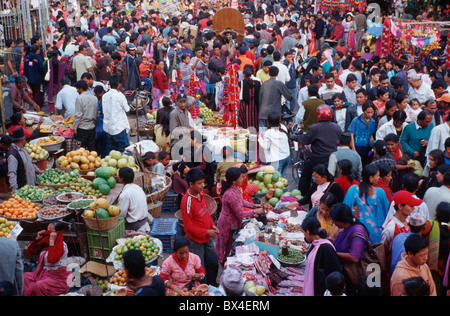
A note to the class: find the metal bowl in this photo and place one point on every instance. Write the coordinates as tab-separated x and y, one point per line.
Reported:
52	147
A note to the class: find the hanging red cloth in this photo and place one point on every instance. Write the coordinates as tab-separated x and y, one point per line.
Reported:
386	39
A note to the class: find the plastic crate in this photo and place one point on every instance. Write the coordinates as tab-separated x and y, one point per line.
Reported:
108	237
166	230
170	203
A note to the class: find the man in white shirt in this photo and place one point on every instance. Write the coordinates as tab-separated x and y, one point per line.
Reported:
66	98
345	65
327	92
133	203
87	77
434	196
115	122
283	74
419	89
439	135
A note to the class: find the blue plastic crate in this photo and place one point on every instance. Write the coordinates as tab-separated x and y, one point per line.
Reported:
166	230
170	203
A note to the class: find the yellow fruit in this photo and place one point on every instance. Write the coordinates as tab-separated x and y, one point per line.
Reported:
101	203
114	211
89	214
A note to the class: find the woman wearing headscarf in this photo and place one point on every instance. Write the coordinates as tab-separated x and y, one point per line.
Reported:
182	269
322	259
50	277
233	212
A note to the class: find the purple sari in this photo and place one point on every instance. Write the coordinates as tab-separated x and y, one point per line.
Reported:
345	243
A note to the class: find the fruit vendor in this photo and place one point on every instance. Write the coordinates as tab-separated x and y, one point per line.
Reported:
18	120
133	203
183	268
50	277
21	170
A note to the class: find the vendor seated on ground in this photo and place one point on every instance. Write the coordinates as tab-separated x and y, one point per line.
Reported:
133	203
50	277
151	161
182	269
137	280
18	120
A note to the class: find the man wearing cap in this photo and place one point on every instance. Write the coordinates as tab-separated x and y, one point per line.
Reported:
417	224
444	110
419	89
133	81
180	126
404	205
21	170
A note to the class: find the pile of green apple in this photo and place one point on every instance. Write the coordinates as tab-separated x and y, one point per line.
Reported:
266	181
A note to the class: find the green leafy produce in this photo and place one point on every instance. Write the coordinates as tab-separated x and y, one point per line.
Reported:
293	257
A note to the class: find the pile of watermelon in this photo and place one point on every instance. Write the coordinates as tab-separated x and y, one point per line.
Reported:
271	179
105	181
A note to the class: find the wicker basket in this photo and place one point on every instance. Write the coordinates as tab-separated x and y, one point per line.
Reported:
145	180
101	224
155	209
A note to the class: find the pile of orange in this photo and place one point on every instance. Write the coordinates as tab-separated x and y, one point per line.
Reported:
5	227
19	209
81	159
120	278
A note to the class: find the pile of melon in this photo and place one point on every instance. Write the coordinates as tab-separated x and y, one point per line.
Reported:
115	161
268	179
104	181
101	209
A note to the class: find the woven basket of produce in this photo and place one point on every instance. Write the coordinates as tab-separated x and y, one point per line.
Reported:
150	180
101	224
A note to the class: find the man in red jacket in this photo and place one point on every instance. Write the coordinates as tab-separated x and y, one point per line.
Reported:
198	224
338	31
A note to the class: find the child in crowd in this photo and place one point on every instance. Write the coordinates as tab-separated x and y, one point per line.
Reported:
335	284
145	70
412	110
151	160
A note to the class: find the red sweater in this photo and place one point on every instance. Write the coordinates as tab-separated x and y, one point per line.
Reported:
196	218
338	32
160	80
345	184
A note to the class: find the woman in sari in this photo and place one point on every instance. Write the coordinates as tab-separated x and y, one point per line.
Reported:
351	242
322	259
248	111
369	203
232	213
182	269
349	33
312	39
50	277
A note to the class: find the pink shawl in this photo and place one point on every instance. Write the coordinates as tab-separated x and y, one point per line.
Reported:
308	287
